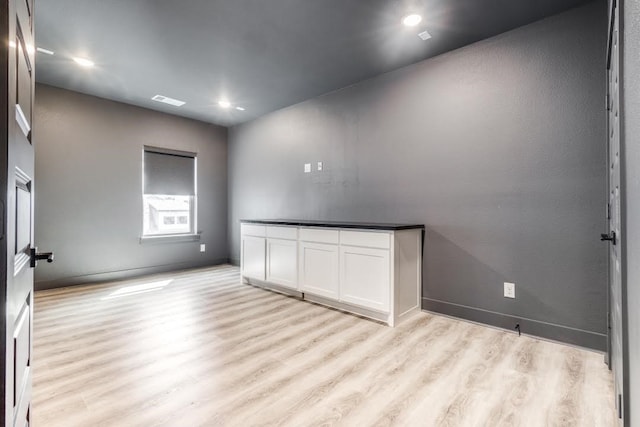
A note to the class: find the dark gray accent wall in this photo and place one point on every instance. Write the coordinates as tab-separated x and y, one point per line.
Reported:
631	155
499	148
88	188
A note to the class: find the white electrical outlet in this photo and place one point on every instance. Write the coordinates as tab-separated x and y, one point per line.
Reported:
307	167
509	290
202	247
319	166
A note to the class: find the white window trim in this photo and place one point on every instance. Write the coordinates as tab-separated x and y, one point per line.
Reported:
170	238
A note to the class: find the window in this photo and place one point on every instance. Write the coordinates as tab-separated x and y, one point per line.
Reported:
169	192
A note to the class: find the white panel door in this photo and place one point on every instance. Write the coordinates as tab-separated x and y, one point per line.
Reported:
282	262
319	269
615	233
253	257
365	277
17	212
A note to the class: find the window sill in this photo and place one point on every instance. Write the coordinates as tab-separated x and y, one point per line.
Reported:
170	238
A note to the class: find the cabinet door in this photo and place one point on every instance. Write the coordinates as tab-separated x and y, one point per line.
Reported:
365	277
319	269
253	257
282	262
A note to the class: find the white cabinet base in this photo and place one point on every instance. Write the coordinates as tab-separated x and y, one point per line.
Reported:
387	318
350	308
270	286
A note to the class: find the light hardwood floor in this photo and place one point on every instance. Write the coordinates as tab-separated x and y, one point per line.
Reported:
198	348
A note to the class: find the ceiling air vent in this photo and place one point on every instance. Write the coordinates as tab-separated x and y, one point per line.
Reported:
424	35
167	100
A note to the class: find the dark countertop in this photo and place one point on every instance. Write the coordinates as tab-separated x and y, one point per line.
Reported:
334	224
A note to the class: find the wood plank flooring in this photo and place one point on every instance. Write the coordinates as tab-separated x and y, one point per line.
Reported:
198	348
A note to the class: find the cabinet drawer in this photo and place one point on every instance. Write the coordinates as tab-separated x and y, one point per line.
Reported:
289	233
367	239
319	235
253	230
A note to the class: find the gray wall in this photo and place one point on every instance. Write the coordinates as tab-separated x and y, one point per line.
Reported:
631	156
498	148
88	188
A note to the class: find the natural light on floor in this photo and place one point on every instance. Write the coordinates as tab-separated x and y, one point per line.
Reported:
138	289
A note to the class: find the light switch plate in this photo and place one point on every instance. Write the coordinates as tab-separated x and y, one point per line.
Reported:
319	166
509	290
202	247
307	167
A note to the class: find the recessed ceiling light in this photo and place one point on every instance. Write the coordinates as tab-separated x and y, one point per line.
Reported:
424	35
412	20
83	62
46	51
167	100
224	103
240	108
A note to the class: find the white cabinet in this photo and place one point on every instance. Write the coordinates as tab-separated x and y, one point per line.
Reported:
253	252
366	239
253	257
374	273
282	256
282	262
319	269
365	277
319	235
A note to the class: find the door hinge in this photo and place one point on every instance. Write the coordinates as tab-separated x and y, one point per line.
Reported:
609	320
606	100
608	210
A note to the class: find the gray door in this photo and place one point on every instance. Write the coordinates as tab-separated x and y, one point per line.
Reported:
615	234
17	241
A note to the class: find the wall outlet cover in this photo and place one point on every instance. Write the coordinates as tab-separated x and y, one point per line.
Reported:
307	167
202	247
319	166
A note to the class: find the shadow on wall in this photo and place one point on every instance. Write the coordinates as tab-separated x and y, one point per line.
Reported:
448	269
